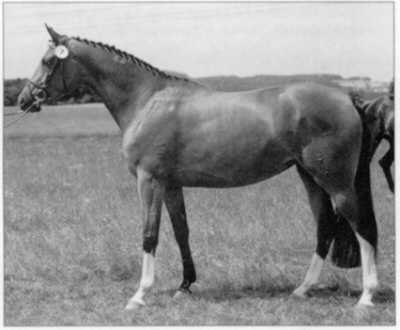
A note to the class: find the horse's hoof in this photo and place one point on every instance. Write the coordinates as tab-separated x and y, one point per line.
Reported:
365	300
364	304
134	304
178	295
181	293
362	310
299	293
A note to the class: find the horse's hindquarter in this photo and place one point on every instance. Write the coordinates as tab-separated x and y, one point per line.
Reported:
325	132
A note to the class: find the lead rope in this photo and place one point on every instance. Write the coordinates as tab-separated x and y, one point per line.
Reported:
11	113
12	122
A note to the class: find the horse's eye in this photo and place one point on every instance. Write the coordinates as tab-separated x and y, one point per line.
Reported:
45	62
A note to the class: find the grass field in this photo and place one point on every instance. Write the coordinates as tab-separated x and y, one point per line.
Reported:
72	236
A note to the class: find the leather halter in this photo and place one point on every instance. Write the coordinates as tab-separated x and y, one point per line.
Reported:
43	93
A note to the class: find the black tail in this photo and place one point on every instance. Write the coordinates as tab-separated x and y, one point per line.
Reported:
345	247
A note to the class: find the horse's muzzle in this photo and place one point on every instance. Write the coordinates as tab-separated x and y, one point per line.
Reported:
32	106
30	103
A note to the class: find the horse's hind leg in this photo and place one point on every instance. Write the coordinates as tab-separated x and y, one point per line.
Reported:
362	221
354	203
355	232
176	208
321	208
339	163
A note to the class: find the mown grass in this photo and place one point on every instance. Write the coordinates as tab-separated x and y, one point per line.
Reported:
72	240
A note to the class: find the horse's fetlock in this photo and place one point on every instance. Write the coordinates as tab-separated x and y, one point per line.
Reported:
146	283
189	272
371	282
149	244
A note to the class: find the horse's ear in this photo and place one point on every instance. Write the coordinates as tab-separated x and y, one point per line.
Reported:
53	34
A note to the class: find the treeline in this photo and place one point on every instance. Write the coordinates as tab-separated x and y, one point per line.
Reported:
234	83
12	87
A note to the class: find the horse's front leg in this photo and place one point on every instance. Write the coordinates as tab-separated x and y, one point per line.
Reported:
176	208
151	195
386	162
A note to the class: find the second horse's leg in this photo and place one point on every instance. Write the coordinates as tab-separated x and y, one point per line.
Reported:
386	162
176	208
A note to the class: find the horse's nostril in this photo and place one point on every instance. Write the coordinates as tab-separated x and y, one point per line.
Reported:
21	100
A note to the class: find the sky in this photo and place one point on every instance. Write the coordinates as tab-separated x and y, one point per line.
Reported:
206	39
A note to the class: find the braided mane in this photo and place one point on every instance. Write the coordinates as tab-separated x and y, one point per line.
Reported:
133	59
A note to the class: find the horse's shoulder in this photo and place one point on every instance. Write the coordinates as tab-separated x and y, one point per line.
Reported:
151	120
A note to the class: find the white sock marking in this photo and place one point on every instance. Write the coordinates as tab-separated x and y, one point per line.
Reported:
146	281
369	274
312	275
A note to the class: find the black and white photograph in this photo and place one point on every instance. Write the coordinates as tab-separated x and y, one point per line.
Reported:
199	163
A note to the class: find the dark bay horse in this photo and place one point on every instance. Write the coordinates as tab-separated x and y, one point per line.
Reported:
177	132
378	117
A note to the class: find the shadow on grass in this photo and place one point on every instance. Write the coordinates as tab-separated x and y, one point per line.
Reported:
382	296
229	292
385	295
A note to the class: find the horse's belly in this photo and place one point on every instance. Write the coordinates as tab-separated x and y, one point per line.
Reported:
192	177
226	167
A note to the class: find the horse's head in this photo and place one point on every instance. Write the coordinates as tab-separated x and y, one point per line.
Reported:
56	76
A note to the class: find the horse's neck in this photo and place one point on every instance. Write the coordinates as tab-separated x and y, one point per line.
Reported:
124	101
123	87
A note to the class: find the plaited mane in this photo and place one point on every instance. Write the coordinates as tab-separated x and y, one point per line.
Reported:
133	59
